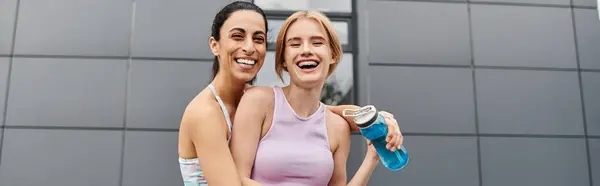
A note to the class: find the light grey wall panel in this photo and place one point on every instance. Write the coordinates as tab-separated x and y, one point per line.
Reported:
591	97
151	159
67	92
541	2
179	28
594	145
449	161
523	36
425	100
528	102
160	90
8	9
533	162
585	2
74	27
588	38
60	157
4	68
419	32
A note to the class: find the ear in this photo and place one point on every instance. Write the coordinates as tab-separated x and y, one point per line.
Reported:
333	61
214	46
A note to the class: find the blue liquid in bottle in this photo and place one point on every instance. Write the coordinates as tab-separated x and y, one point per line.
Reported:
372	126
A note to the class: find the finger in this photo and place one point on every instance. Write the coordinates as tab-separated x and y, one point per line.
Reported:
400	142
386	114
394	142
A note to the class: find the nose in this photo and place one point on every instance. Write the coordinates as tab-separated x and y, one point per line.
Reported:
306	49
248	47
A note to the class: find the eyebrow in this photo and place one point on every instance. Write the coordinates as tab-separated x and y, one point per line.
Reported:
313	37
244	31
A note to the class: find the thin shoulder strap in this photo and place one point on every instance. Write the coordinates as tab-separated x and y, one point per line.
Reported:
223	108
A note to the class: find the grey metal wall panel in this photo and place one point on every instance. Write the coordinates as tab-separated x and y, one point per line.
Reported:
179	28
425	100
533	161
74	27
449	161
588	38
8	9
159	91
151	159
591	96
523	36
541	2
529	102
60	157
594	145
67	92
4	69
585	2
418	32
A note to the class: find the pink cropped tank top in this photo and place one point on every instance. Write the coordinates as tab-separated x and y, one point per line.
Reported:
295	151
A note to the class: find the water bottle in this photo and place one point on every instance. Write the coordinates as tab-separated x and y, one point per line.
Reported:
372	126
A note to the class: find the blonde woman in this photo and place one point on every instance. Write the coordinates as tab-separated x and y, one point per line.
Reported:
285	135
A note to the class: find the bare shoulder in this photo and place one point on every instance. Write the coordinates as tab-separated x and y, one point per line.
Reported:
202	110
338	130
259	94
337	123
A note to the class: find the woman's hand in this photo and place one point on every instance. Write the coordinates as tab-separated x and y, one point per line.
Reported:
394	137
371	153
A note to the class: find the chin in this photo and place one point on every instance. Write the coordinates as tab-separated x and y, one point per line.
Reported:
244	76
309	81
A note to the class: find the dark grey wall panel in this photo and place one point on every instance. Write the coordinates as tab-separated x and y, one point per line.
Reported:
74	27
356	156
528	102
523	36
8	9
67	92
4	68
591	97
418	32
61	157
159	91
541	2
449	161
588	38
151	159
533	162
429	100
179	28
585	2
594	145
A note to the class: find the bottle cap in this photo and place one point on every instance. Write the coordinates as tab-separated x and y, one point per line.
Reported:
363	117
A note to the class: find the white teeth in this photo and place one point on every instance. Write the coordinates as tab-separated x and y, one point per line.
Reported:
246	61
306	63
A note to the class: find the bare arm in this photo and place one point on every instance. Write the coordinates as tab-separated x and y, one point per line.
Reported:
337	110
340	154
208	132
362	175
340	157
249	118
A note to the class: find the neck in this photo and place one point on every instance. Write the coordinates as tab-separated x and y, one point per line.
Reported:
304	101
228	88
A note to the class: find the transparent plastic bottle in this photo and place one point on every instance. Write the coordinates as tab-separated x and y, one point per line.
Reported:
373	127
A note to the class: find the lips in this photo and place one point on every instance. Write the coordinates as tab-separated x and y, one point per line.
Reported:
307	64
245	63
